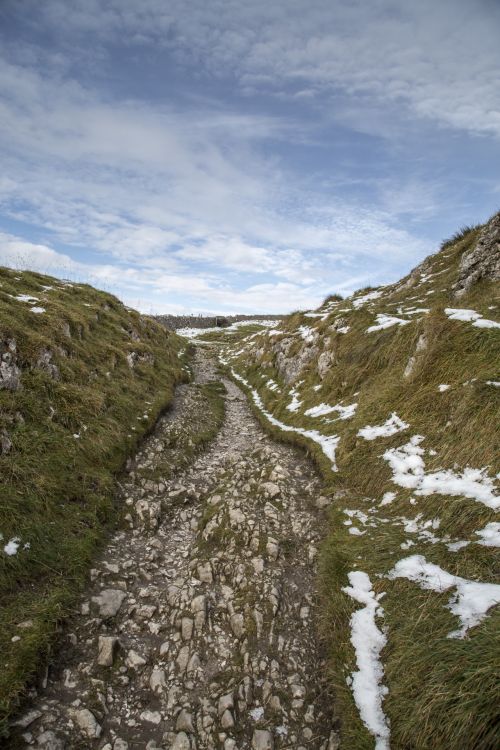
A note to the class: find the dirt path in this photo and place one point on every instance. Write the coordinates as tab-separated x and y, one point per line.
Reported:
198	630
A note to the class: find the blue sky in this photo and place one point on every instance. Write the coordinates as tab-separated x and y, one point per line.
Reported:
243	155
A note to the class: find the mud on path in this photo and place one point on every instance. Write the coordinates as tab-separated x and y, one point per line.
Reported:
198	628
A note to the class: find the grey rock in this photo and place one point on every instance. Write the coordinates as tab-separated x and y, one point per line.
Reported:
262	740
135	660
28	719
227	720
105	650
5	443
50	741
184	722
87	723
483	261
181	742
152	717
109	601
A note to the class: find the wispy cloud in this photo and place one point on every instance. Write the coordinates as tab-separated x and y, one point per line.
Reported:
241	155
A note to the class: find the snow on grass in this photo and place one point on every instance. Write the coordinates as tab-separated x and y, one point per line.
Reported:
12	546
391	426
471	600
308	334
192	333
470	316
455	546
494	383
272	385
443	387
295	403
345	412
387	498
360	301
386	321
368	641
37	310
25	298
408	468
327	443
490	535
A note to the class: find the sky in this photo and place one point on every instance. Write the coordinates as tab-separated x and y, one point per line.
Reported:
243	156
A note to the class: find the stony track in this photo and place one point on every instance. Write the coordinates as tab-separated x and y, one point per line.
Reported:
198	629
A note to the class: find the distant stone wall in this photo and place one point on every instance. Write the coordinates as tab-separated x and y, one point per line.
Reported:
174	322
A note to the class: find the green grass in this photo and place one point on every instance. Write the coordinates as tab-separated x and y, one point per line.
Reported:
443	693
58	492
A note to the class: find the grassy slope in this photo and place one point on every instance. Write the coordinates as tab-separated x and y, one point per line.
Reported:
442	692
58	491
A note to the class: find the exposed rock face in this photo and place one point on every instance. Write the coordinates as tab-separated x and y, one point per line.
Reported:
44	363
10	374
483	261
290	367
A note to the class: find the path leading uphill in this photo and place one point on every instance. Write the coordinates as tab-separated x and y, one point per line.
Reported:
198	629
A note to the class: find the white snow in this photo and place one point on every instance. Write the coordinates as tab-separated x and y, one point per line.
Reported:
355	531
368	641
470	602
408	469
391	426
12	546
37	310
490	535
308	334
455	546
443	387
257	713
272	385
360	301
327	443
386	321
494	383
387	498
295	403
192	333
345	412
26	298
470	316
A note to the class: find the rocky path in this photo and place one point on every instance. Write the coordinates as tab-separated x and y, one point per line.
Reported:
198	629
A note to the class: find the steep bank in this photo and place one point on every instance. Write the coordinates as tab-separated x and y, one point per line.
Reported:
396	392
82	379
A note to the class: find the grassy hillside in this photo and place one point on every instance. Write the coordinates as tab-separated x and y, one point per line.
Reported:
82	379
396	393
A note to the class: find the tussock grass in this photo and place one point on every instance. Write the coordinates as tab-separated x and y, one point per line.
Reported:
443	693
58	491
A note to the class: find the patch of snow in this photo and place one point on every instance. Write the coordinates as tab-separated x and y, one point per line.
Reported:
345	412
471	600
37	310
360	301
494	383
443	387
355	531
408	469
470	316
490	535
368	641
295	403
25	298
386	321
390	427
327	443
272	385
387	498
318	387
455	546
12	546
308	334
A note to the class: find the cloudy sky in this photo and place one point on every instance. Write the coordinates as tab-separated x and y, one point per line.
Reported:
243	155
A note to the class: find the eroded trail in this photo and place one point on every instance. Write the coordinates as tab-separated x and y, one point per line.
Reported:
198	630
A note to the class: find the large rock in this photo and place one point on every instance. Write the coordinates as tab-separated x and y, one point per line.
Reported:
483	261
262	740
10	374
105	650
109	601
87	723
